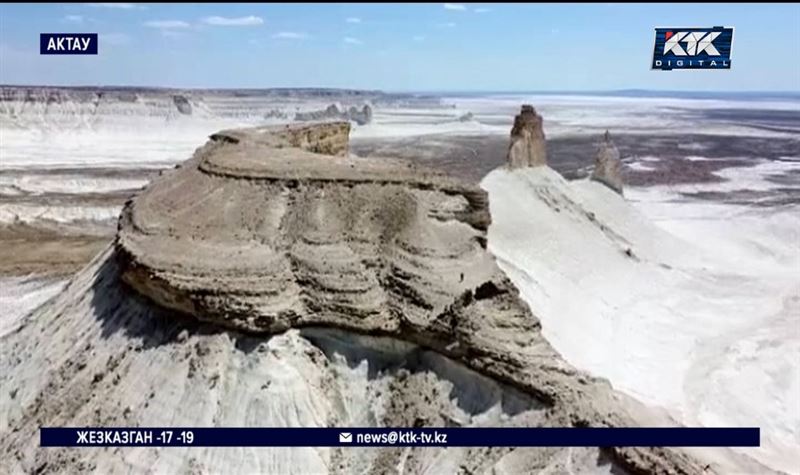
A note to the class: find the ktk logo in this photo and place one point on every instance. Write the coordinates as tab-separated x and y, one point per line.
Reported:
696	43
693	48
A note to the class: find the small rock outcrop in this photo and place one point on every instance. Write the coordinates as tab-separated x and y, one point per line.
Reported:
528	147
360	116
276	114
182	104
607	165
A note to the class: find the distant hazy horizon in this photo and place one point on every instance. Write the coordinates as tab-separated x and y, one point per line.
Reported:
688	94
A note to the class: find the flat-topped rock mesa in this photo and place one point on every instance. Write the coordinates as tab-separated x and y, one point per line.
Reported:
607	165
528	147
259	236
266	229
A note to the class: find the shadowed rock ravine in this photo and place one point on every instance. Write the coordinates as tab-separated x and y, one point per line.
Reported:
298	265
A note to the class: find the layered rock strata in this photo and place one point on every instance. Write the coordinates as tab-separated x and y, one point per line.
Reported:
274	229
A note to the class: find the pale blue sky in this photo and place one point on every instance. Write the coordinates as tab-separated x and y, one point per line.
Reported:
401	47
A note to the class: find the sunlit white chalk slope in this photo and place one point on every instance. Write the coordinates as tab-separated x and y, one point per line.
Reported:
713	341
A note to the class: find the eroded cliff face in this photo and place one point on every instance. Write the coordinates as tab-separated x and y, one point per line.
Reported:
528	147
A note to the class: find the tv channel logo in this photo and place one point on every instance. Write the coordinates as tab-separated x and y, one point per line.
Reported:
68	43
693	48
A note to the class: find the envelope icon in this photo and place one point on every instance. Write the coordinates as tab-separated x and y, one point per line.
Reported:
345	437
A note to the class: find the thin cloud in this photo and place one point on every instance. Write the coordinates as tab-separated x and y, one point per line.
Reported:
482	10
74	18
448	24
419	38
290	35
166	24
118	6
353	19
352	41
240	21
454	6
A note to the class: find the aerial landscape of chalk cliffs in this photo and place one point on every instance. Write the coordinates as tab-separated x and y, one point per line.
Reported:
619	286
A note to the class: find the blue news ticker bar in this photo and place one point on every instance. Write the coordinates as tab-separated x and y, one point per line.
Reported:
394	437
